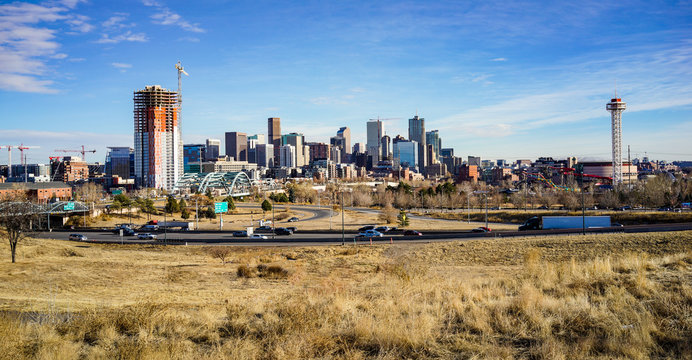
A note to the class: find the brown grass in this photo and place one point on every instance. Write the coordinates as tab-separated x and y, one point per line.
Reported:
595	296
519	216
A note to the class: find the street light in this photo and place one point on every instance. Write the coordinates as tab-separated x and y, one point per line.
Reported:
485	193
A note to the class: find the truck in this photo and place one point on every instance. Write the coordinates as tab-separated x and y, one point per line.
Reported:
160	225
565	222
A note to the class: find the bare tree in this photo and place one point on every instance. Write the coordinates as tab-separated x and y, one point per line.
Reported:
219	252
389	214
89	192
16	217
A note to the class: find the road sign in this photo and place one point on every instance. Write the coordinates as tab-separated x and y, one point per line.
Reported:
117	191
68	206
220	207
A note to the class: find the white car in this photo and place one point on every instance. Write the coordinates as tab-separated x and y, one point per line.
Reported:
146	236
258	236
78	237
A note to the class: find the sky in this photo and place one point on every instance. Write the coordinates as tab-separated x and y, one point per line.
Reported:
498	79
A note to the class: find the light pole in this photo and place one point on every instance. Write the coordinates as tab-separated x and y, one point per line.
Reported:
468	206
273	226
580	171
343	239
485	193
165	232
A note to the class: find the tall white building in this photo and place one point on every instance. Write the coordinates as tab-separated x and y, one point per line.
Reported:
287	155
158	139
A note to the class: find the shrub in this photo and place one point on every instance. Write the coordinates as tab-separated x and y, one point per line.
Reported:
245	271
219	252
272	271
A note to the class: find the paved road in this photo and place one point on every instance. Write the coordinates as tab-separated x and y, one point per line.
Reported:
317	212
334	238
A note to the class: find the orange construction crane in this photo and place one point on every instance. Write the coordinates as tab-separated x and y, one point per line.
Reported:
83	152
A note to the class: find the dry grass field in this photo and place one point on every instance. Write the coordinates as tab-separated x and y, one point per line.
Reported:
595	296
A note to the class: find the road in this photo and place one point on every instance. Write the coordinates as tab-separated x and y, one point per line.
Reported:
335	238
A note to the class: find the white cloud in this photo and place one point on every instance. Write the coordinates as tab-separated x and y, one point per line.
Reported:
499	59
166	16
116	21
127	36
122	66
26	46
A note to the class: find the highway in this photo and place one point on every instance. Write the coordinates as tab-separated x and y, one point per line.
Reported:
335	238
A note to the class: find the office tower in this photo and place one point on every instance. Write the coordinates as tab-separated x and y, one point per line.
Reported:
343	140
236	145
616	107
335	155
158	139
274	134
386	148
416	132
287	156
265	155
297	141
474	160
212	150
252	142
375	132
318	151
406	153
193	156
447	152
433	138
358	148
118	162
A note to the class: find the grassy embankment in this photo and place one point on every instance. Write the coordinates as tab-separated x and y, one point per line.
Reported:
519	216
616	295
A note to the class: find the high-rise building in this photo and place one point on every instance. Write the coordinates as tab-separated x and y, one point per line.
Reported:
236	145
212	150
318	151
358	148
71	168
287	156
447	152
298	142
252	142
433	138
386	148
343	141
119	162
193	157
335	153
265	155
375	132
158	138
416	132
474	160
274	134
406	153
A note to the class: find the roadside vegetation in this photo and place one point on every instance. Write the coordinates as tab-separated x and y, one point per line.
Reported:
594	296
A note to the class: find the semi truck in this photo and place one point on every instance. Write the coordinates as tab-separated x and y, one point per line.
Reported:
158	225
565	222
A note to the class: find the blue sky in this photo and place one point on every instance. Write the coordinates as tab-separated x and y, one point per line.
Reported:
499	79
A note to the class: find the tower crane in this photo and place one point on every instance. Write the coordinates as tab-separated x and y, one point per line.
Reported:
181	71
83	152
22	158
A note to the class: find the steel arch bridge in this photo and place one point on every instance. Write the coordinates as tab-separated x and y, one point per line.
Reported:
229	183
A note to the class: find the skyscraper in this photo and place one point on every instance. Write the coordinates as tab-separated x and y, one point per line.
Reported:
386	148
274	134
298	142
433	138
213	149
118	162
375	132
158	139
345	134
416	132
236	145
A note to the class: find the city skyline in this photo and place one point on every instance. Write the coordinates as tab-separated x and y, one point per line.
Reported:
492	79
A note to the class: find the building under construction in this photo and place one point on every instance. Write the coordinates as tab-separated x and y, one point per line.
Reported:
158	139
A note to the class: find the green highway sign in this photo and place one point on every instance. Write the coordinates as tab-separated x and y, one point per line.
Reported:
68	206
220	207
117	191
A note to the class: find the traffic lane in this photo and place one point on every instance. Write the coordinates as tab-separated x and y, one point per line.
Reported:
317	212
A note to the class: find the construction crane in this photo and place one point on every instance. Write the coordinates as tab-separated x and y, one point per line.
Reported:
22	158
181	71
83	152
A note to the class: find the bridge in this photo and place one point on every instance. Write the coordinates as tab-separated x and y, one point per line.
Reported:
235	184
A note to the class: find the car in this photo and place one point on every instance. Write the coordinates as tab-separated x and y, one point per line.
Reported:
293	219
292	228
146	236
242	233
369	233
412	233
623	208
78	237
366	228
382	229
616	225
282	231
542	207
128	232
264	228
481	229
258	237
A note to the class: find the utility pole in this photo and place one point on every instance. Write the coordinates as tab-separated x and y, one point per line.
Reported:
273	226
165	232
343	240
580	171
468	207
